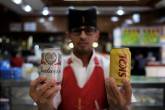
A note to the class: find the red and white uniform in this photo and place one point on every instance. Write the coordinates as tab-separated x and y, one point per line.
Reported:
83	88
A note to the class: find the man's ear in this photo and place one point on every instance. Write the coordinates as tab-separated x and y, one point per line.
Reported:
97	35
67	34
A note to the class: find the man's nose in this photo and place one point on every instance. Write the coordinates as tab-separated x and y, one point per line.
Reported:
83	34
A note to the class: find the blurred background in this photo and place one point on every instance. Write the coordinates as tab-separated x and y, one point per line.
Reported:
29	26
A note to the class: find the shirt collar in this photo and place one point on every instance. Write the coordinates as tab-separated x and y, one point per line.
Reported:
75	59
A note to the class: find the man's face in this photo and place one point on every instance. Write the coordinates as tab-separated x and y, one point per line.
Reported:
83	38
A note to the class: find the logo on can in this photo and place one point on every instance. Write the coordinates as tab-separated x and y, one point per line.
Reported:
51	63
120	64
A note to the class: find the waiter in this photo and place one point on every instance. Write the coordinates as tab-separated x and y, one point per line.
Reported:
85	81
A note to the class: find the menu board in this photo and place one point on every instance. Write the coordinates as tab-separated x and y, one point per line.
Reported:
150	36
141	36
130	36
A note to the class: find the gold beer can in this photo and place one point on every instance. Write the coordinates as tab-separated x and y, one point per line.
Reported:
120	64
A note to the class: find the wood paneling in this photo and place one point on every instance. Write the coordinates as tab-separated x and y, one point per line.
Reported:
6	17
59	24
101	3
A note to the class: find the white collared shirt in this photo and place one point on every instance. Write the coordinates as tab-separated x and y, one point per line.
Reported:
82	74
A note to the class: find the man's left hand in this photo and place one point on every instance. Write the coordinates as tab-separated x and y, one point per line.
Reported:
118	98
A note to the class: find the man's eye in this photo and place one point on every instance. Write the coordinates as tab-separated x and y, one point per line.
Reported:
90	30
76	30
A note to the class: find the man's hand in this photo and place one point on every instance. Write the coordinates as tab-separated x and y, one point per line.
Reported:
43	91
118	98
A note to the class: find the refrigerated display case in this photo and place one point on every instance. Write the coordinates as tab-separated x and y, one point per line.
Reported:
148	91
17	91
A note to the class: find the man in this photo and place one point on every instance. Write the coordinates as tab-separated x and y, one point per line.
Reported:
85	83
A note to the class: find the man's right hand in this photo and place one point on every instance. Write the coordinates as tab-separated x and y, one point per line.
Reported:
43	91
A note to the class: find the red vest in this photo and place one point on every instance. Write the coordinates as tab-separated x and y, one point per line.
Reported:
90	97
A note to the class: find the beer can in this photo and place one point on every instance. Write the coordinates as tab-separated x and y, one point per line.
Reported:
51	63
120	64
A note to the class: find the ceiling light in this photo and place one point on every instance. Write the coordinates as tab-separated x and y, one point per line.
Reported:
71	45
41	20
120	12
136	18
100	0
36	47
129	21
27	8
7	40
71	7
114	19
45	11
98	12
50	18
95	45
17	1
0	40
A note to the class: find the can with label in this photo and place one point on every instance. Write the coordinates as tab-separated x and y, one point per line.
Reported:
51	63
120	64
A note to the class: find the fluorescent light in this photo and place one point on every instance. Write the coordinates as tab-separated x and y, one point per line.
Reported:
27	8
117	37
114	19
45	11
30	42
120	12
17	1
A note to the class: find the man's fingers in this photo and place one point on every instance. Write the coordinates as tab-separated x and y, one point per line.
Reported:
44	87
108	89
113	91
41	89
48	88
107	85
127	90
118	97
51	92
36	82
